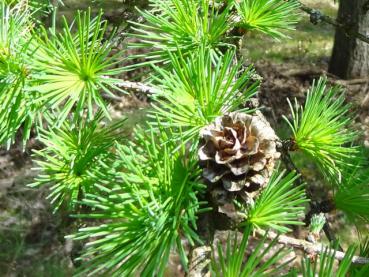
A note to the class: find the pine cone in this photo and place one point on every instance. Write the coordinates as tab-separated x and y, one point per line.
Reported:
240	151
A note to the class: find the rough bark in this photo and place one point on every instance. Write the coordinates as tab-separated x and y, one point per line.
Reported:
350	57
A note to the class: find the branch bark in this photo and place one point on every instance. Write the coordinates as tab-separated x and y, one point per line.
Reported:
309	247
136	86
199	262
317	16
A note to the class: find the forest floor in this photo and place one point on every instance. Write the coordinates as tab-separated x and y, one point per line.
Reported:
32	238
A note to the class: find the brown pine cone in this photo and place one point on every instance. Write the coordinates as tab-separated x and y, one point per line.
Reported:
239	150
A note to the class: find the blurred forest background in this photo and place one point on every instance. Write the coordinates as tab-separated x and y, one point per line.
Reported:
32	238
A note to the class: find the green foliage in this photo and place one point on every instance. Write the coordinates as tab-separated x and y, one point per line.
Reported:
271	17
144	193
280	204
16	104
14	27
327	266
360	270
231	263
352	195
17	112
145	214
44	72
317	223
77	156
179	26
198	89
73	68
321	129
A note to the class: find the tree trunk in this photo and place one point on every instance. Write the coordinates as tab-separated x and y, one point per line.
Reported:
350	57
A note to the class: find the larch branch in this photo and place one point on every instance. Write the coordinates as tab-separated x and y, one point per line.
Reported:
317	16
200	261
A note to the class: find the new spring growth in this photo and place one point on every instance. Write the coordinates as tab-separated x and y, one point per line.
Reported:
316	226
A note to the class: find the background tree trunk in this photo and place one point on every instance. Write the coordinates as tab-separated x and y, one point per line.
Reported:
350	57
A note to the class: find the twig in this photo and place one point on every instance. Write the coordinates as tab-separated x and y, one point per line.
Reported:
111	97
317	16
315	207
200	256
309	247
199	262
351	82
136	86
131	86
